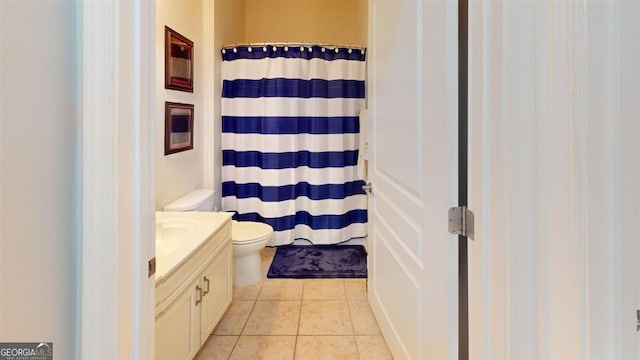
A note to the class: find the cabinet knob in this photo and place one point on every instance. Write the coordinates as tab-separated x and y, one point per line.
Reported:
206	290
198	295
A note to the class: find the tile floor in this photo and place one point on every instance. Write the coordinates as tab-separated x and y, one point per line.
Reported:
301	319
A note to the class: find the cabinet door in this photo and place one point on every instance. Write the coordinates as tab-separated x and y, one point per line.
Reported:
217	285
178	327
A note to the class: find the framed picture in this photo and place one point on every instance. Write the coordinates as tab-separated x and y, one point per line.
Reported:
178	61
178	128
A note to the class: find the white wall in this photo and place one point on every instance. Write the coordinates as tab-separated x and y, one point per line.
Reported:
179	173
38	173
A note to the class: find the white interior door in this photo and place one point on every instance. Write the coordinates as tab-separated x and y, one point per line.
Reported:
412	95
554	180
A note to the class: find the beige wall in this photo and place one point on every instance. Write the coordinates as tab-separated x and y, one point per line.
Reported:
208	24
179	173
316	21
229	28
229	22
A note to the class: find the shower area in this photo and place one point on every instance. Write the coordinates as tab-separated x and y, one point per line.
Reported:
276	132
291	139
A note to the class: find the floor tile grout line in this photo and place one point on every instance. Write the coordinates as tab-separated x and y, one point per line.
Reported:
355	344
355	340
255	300
248	316
348	300
352	325
349	311
261	288
295	347
353	329
295	343
235	343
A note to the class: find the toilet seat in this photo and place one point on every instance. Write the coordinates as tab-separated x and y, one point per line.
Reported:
248	232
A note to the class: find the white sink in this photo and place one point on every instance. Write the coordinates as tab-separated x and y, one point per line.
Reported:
173	233
180	234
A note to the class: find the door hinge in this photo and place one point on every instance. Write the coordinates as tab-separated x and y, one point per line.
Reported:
638	320
152	267
461	221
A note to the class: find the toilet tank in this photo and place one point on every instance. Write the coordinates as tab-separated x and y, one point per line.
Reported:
197	200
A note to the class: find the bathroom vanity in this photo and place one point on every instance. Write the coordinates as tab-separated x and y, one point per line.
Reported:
194	284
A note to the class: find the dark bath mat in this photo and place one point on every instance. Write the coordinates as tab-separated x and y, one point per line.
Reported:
319	261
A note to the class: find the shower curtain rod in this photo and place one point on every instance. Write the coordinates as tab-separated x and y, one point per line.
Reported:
295	44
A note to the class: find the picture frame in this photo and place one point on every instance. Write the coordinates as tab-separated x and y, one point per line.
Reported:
178	61
178	128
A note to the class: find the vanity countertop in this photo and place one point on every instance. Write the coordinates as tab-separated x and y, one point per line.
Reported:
179	235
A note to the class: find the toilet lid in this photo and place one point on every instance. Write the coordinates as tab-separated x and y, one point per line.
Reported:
249	231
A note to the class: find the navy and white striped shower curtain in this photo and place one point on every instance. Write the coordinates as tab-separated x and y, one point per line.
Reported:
290	140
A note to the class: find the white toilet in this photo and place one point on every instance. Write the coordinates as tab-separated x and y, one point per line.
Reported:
248	237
